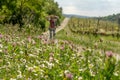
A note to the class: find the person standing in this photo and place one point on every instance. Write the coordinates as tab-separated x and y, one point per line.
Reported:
53	24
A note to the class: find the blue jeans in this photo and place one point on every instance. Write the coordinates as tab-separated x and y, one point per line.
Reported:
52	32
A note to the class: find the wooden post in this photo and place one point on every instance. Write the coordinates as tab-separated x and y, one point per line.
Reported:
118	24
98	22
118	27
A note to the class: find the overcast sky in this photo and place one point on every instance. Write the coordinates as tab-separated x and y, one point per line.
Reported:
90	7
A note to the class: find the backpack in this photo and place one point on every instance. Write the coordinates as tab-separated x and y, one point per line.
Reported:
52	23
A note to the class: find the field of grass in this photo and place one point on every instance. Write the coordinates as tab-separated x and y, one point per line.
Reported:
90	40
28	55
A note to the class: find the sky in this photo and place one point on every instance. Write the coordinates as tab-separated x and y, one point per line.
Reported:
90	7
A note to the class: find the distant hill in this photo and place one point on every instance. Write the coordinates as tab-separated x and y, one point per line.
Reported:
113	17
74	15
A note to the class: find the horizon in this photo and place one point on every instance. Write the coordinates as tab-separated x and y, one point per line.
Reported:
90	16
94	8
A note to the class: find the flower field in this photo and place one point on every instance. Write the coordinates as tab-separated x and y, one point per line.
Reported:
28	55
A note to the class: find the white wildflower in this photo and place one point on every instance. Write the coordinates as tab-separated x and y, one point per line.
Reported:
81	70
32	55
115	73
0	50
92	73
36	74
89	61
12	79
23	60
1	46
19	71
56	60
37	61
21	52
8	63
50	65
14	54
37	50
80	78
66	71
31	69
19	76
91	66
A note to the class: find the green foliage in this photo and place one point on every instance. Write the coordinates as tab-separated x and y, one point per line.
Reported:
93	26
83	32
113	17
28	55
25	12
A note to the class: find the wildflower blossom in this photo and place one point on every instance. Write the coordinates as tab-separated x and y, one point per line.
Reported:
96	45
1	35
51	54
40	37
80	78
31	69
23	60
116	74
92	73
109	53
0	50
56	60
13	79
21	52
29	39
45	41
51	59
1	46
66	71
50	65
19	76
62	47
32	55
33	42
14	44
69	76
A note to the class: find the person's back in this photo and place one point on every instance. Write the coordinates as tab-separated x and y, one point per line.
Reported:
52	23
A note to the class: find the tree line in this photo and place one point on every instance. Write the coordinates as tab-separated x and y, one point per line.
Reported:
113	17
24	12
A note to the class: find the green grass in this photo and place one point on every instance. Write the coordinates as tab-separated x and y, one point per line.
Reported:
107	43
28	55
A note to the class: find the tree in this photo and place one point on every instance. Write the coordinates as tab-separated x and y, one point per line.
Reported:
24	12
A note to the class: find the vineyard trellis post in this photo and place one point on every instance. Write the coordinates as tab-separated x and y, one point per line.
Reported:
118	27
98	24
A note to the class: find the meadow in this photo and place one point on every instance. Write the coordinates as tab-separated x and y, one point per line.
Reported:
29	55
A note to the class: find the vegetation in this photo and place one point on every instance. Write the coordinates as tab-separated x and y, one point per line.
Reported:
87	33
113	18
29	55
95	26
28	12
84	50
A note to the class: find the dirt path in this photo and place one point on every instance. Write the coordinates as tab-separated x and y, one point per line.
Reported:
63	24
